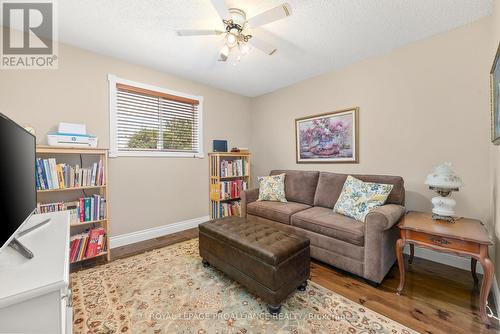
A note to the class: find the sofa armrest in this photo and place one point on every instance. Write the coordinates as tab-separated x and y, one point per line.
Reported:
248	196
384	217
380	240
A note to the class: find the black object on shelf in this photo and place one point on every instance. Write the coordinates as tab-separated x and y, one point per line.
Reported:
220	145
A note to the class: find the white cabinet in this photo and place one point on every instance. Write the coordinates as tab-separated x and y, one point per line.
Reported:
34	293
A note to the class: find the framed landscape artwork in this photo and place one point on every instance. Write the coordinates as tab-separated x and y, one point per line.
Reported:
330	137
495	93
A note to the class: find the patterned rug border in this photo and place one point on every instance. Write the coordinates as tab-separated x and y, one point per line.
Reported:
146	254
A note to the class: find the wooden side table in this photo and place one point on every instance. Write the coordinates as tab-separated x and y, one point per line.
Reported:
465	237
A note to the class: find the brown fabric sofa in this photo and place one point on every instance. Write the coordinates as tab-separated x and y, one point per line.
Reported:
364	249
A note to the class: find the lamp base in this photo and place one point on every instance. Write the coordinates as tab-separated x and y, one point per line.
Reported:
449	219
443	206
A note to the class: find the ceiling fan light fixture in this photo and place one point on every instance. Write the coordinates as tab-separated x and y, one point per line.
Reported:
225	51
244	48
231	39
236	34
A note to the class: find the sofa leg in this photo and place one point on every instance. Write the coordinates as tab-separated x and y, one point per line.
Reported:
274	309
303	286
205	263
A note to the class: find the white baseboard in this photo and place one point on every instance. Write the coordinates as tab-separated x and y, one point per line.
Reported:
155	232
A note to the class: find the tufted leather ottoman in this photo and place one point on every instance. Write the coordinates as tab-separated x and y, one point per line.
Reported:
268	262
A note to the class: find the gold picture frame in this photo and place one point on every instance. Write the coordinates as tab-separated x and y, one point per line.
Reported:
331	137
495	99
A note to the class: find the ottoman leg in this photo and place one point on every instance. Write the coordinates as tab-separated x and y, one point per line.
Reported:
205	263
303	286
274	309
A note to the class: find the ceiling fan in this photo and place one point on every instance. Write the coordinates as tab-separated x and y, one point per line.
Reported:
236	33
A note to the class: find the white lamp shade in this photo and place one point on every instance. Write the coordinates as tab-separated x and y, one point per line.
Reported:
444	177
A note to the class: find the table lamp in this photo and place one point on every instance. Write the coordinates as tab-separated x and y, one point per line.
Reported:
444	181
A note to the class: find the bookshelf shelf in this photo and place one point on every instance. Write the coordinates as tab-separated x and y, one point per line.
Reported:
69	158
70	189
229	199
229	173
92	257
88	222
233	177
69	150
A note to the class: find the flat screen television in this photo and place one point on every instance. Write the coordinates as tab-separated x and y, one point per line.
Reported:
17	178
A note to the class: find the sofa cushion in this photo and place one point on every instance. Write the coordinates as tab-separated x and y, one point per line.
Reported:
326	222
277	211
330	186
300	186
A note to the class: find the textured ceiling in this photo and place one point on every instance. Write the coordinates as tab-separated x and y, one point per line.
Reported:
320	36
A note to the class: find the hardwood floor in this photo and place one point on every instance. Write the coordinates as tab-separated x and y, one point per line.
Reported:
436	299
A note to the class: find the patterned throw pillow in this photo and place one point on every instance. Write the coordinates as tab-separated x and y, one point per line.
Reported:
358	198
272	188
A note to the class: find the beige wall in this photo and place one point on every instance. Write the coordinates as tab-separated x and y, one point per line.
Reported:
494	149
420	105
144	192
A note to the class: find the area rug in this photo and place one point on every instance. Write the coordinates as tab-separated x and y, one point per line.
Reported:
169	291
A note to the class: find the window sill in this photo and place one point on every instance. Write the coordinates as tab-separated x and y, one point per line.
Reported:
115	154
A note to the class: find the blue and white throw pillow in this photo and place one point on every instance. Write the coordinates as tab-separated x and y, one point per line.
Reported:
358	198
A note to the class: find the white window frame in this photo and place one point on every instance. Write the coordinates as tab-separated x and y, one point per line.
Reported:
113	109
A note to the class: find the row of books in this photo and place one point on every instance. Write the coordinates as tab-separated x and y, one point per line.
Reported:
232	189
60	206
87	244
84	210
230	209
51	175
91	208
229	168
50	207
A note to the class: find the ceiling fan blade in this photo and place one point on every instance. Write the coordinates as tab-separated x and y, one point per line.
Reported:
198	32
271	15
221	8
286	48
262	45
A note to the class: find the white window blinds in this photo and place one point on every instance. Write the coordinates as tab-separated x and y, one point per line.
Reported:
153	121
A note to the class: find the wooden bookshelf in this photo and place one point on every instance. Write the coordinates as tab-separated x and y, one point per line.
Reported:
217	178
80	156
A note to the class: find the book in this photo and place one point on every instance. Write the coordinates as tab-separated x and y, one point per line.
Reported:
86	209
93	181
60	176
53	173
102	208
46	170
39	171
87	244
80	211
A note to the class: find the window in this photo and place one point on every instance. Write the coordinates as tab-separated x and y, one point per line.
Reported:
152	121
